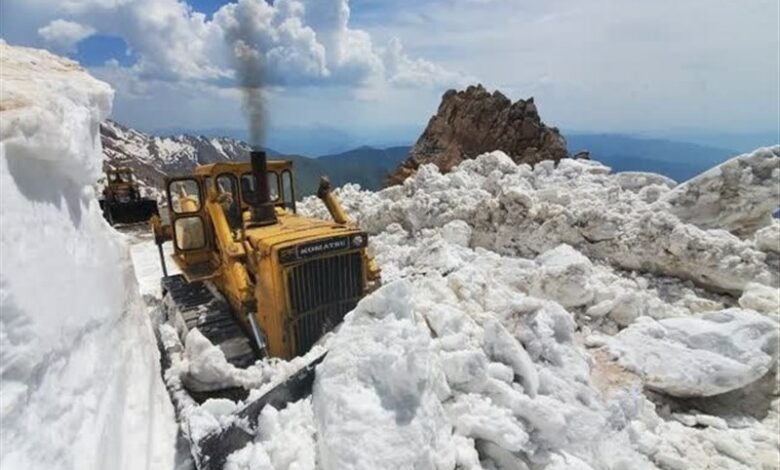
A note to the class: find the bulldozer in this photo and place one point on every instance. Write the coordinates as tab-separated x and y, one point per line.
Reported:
256	279
122	202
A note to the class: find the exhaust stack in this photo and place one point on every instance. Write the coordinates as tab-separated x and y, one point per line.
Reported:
263	212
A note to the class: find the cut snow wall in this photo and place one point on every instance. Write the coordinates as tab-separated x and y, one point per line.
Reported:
80	374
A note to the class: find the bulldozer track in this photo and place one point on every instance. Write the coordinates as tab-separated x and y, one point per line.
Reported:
196	306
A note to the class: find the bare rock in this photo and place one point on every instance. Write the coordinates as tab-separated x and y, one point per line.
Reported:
472	122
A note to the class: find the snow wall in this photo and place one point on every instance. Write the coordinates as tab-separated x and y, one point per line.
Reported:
80	379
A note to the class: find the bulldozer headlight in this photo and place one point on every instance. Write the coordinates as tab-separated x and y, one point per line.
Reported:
359	240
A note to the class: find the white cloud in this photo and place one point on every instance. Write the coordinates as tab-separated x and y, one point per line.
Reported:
300	42
602	65
611	65
62	35
405	71
307	42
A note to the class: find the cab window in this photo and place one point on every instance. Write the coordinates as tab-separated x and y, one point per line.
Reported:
249	188
184	196
190	233
227	196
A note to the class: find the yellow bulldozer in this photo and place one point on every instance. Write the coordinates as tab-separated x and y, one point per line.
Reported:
257	279
122	202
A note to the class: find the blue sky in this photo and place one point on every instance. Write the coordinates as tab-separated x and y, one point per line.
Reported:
373	71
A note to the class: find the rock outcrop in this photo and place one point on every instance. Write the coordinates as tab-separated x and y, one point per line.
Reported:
472	122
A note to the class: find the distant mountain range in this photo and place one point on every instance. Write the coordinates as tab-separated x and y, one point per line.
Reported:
153	157
312	140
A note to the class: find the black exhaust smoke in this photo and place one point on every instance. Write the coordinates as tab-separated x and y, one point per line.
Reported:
263	212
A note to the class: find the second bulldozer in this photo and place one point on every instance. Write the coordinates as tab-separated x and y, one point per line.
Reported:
257	279
122	202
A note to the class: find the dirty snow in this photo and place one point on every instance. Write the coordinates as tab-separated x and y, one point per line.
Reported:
738	195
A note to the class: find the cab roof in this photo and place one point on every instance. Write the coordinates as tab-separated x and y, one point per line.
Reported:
213	169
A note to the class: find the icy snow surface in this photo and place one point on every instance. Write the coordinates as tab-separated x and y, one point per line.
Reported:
536	318
80	380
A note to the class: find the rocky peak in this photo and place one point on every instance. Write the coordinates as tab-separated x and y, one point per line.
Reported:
474	121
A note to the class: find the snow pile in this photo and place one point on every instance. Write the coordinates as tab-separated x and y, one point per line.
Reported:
517	210
532	318
80	372
508	271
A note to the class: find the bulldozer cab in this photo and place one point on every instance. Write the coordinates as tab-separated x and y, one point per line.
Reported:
288	278
120	185
119	180
230	187
121	175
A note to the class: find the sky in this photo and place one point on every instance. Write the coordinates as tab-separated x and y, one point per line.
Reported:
373	71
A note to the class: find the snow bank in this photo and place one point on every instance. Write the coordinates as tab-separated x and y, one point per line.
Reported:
80	379
516	210
699	356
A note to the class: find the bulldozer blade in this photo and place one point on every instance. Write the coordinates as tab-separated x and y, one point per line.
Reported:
213	449
130	212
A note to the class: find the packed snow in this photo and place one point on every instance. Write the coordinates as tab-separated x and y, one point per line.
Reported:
80	370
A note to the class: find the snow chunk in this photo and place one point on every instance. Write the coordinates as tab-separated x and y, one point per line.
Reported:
761	298
457	232
636	180
285	441
699	356
505	348
768	238
206	368
739	195
374	401
564	276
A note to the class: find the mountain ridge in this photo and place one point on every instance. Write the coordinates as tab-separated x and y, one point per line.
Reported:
152	158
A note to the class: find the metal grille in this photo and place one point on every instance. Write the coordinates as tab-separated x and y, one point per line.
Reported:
321	292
